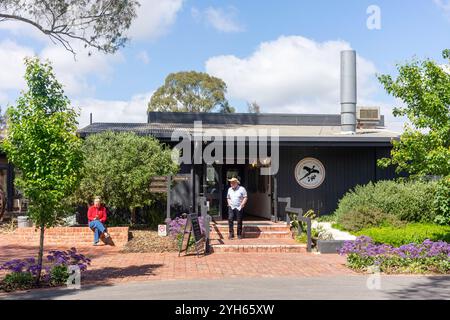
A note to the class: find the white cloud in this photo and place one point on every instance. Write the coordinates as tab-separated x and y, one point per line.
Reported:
18	28
291	74
134	110
154	18
221	19
12	67
444	5
143	57
74	73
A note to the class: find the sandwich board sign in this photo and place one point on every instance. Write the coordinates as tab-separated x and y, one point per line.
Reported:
192	228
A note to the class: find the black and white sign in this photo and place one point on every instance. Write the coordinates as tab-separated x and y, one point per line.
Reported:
310	173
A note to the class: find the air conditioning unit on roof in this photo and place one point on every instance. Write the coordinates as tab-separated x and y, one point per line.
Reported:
368	114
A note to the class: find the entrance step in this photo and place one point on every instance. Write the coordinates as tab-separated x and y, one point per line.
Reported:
257	246
265	230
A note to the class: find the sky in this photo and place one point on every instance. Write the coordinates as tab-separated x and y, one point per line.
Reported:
284	55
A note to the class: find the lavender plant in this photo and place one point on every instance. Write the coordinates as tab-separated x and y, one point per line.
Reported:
428	256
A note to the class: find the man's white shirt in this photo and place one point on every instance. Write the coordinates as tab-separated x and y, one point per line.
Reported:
236	196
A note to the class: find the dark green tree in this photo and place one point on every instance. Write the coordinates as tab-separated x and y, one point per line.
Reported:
120	166
191	92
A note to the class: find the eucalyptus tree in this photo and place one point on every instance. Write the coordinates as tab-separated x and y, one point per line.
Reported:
98	24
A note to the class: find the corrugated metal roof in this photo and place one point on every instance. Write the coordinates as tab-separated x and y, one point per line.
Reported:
285	132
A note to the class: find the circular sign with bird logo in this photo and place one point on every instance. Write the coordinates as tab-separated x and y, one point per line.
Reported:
310	173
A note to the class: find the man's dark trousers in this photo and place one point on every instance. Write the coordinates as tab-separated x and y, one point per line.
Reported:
232	213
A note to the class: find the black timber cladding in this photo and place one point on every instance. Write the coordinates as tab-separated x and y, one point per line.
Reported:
345	168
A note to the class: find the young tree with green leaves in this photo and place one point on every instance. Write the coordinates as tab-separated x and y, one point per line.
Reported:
41	142
120	166
424	146
191	92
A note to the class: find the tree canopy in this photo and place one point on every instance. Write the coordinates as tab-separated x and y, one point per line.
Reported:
41	142
120	166
191	92
99	24
424	88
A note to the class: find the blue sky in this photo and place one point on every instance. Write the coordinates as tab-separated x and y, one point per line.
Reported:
281	54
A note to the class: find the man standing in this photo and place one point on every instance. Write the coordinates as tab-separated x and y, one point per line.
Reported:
237	199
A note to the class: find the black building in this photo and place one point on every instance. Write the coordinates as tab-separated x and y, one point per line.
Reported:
338	162
313	159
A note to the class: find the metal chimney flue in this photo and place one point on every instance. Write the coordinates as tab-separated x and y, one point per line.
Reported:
348	91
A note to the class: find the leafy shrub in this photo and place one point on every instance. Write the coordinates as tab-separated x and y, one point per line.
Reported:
411	233
362	217
17	281
441	201
58	275
428	256
410	201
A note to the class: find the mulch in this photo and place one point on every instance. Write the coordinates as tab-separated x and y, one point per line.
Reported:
149	241
7	227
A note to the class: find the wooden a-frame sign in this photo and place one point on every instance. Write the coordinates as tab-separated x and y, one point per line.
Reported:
192	227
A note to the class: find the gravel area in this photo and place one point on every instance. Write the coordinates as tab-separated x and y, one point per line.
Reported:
149	241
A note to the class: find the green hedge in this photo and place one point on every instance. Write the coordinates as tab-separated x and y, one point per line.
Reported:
411	233
407	201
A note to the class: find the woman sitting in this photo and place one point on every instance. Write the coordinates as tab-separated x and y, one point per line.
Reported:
97	217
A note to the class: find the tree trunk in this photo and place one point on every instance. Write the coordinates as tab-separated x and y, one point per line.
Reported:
41	253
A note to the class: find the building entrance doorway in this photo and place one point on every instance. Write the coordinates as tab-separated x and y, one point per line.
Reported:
259	189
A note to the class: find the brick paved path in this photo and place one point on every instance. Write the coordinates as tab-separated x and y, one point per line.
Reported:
111	266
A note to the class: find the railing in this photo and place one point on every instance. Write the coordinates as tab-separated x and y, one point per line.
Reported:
300	217
206	222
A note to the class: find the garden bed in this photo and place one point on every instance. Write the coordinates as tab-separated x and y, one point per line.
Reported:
8	227
428	257
21	274
149	241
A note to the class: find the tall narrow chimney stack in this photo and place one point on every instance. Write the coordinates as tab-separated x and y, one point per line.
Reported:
348	91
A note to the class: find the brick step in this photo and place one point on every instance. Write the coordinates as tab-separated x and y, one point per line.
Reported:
258	248
250	234
256	245
253	228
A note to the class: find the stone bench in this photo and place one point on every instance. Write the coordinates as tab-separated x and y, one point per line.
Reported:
70	236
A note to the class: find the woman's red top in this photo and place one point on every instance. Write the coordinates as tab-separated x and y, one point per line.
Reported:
100	212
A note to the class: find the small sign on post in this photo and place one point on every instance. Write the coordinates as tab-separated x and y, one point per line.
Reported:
162	230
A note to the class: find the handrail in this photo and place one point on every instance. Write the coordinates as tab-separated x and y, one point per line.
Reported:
206	222
300	217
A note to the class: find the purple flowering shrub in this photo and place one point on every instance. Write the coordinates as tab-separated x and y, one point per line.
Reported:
425	257
176	229
176	226
23	272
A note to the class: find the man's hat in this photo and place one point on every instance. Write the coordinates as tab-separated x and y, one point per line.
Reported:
234	179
